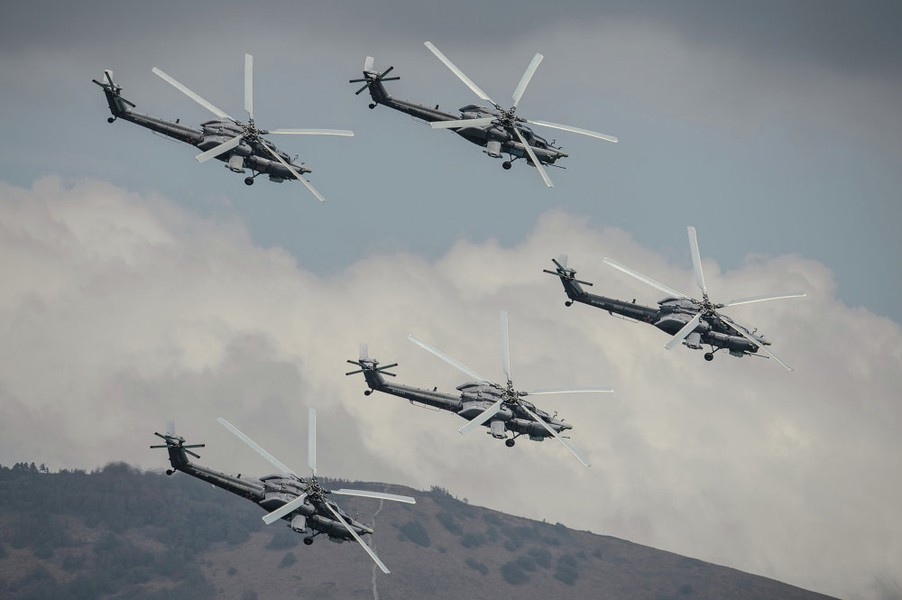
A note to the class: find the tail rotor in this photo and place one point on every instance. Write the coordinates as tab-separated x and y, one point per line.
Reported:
371	77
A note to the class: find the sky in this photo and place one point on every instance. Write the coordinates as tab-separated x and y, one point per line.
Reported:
141	286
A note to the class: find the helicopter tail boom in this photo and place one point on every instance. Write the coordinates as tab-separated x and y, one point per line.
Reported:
118	105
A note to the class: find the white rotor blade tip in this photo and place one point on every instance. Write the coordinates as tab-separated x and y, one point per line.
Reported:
249	85
505	346
256	447
481	418
311	440
283	510
357	538
460	74
368	63
534	158
697	261
527	77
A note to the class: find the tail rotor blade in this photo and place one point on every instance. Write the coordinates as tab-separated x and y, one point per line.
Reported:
533	158
697	261
249	85
572	129
357	538
219	150
283	510
460	74
527	77
505	347
194	96
684	331
311	440
451	361
482	417
554	433
256	447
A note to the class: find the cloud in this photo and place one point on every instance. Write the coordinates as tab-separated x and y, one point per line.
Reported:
120	311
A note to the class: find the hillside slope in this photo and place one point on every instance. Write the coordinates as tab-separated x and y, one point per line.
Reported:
121	533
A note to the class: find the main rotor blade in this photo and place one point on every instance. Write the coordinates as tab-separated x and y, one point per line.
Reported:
479	122
555	434
283	510
184	89
341	132
572	129
760	345
368	63
646	280
548	391
765	298
377	495
482	417
533	158
451	361
363	351
249	85
294	172
311	440
218	150
505	347
684	331
697	261
256	447
357	538
527	77
460	74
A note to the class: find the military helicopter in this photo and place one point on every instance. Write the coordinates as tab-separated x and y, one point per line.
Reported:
501	408
240	145
691	322
303	503
497	129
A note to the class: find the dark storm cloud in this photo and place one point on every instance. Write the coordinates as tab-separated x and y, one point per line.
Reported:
851	36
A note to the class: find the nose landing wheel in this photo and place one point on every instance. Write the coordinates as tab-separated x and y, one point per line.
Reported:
509	442
709	356
248	181
506	165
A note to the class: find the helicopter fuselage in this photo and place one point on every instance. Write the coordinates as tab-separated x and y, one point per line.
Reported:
497	138
271	492
474	398
247	155
670	316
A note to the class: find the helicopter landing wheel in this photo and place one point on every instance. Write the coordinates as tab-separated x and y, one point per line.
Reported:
248	181
372	105
169	471
110	119
308	541
568	303
506	165
509	442
709	356
367	392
